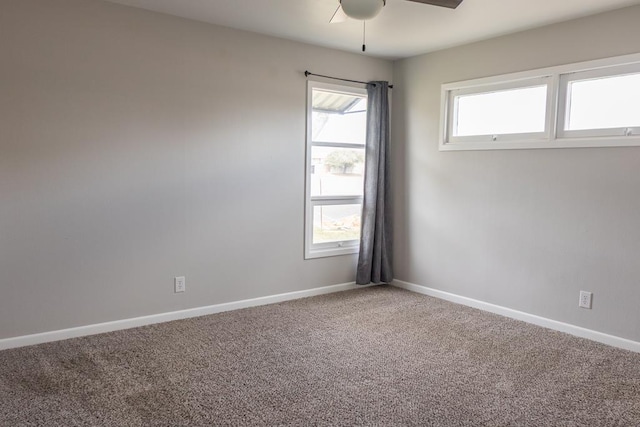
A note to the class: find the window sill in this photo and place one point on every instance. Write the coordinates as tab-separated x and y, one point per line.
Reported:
591	142
329	252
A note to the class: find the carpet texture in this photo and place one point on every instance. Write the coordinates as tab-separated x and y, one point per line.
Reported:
376	356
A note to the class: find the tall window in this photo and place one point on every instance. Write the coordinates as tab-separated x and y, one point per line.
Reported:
336	132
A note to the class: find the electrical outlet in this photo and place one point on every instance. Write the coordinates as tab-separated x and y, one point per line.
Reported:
180	284
585	299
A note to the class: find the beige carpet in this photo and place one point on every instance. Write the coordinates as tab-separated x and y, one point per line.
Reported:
377	356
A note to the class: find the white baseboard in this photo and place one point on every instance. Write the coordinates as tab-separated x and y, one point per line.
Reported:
100	328
525	317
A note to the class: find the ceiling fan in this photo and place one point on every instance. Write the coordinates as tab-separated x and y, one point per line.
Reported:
367	9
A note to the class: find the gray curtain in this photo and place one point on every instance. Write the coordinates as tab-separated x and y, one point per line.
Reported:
375	259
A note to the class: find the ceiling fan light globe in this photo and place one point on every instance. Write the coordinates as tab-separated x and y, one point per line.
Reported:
362	9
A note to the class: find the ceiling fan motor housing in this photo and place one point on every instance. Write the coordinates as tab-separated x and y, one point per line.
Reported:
362	9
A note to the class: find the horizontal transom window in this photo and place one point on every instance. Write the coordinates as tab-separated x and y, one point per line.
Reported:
597	103
513	110
589	104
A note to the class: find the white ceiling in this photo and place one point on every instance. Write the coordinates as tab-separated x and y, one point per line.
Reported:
402	29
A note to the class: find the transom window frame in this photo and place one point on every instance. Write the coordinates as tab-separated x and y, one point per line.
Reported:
336	248
564	108
498	87
558	79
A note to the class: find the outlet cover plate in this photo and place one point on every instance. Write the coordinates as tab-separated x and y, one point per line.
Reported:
180	284
585	299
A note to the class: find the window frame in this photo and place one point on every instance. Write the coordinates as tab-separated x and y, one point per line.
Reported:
498	87
564	107
336	248
558	78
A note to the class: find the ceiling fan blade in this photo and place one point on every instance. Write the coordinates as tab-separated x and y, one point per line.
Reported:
338	16
451	4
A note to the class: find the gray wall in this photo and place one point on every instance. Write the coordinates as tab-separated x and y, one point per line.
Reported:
525	229
136	147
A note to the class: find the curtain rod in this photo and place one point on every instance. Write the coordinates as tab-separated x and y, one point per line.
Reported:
309	73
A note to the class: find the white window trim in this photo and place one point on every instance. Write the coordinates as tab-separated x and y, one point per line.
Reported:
505	85
554	135
328	249
564	92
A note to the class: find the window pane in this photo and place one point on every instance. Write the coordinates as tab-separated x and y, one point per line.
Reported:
609	102
337	171
336	223
338	117
521	110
